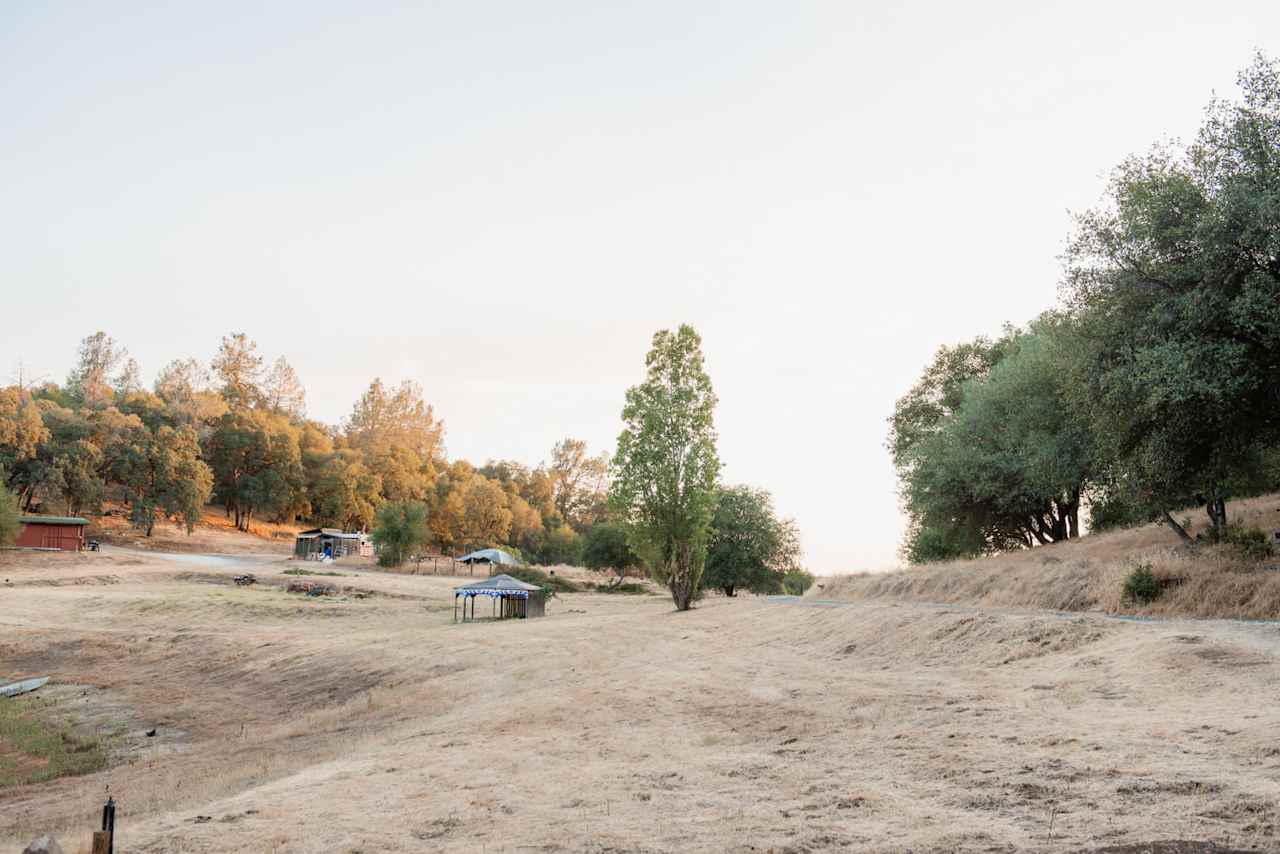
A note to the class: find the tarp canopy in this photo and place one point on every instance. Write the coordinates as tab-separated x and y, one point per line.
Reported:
498	585
497	556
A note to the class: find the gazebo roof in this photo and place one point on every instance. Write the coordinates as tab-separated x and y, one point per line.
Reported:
497	556
498	583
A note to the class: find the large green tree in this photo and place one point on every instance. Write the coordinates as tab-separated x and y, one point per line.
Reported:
1176	280
1007	463
749	547
162	475
666	465
257	466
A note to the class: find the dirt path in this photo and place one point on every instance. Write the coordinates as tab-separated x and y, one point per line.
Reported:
617	725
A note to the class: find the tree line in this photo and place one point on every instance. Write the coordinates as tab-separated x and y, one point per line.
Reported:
234	431
1155	385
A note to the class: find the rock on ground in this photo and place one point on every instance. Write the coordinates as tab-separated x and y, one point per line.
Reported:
43	845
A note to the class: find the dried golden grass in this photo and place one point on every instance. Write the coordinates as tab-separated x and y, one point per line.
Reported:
1088	574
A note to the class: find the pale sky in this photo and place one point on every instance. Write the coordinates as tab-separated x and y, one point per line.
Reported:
503	201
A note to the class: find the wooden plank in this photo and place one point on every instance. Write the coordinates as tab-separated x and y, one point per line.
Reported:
101	842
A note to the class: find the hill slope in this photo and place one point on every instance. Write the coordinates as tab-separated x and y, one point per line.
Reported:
1088	574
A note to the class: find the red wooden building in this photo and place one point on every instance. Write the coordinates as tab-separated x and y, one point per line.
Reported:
52	532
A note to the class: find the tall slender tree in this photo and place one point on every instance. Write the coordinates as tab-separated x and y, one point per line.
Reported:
666	466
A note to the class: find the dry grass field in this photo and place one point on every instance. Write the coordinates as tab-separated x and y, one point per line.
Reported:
1088	574
368	722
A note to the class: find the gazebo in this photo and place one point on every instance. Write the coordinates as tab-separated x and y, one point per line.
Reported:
512	598
493	557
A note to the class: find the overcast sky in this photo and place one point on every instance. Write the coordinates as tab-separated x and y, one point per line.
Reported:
503	201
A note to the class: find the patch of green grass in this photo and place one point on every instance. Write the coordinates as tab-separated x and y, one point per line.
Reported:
34	747
308	572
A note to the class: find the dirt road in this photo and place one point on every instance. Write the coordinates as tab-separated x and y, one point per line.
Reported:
374	724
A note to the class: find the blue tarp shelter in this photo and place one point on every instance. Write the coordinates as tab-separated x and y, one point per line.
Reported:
497	557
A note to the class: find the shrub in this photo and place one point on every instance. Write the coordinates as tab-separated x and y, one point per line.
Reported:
1141	585
400	527
626	587
797	581
10	518
605	547
529	575
1252	543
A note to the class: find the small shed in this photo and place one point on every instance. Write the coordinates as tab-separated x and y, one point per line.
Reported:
65	533
511	598
314	543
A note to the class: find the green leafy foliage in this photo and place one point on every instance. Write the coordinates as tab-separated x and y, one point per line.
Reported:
399	530
161	474
1176	283
605	547
1141	585
545	580
797	581
749	546
666	465
990	454
10	524
1252	543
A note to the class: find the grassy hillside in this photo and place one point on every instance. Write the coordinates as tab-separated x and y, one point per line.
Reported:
1088	574
215	533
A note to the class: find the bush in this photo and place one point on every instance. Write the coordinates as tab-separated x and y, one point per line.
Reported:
10	518
605	547
1252	543
797	581
399	529
529	575
1141	585
627	587
561	545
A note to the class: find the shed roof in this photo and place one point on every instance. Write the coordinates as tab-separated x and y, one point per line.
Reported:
498	582
327	532
53	520
497	556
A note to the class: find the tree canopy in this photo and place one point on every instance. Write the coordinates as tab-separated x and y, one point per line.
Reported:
1156	386
749	546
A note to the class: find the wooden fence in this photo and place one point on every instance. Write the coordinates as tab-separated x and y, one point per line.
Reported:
445	565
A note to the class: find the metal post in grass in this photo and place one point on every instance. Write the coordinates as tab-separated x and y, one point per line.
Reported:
104	841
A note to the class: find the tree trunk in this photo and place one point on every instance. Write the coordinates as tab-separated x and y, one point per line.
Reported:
681	580
730	590
1177	529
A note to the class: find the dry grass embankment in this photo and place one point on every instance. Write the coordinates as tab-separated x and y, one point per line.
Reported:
1088	574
